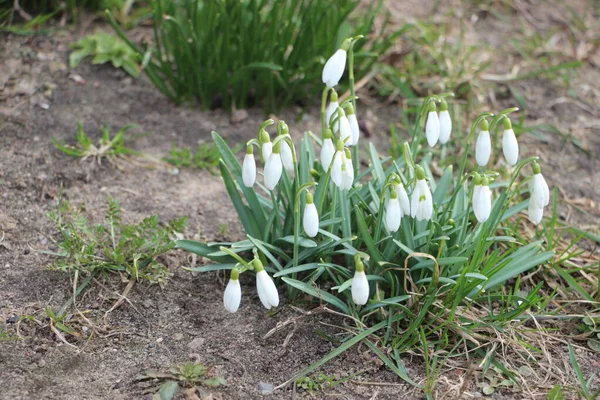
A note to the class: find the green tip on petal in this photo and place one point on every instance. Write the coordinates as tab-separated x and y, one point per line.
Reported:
333	96
507	124
339	145
263	136
443	105
346	45
476	178
328	134
249	149
348	154
537	169
485	125
309	198
277	147
349	110
235	274
393	194
419	172
282	128
432	106
258	265
485	181
360	267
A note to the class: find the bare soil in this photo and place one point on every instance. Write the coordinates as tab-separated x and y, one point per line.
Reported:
40	98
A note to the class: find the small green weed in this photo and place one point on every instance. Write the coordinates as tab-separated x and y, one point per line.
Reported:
105	48
591	326
206	157
188	375
93	249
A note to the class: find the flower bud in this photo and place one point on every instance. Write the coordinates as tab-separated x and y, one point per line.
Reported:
249	167
432	126
310	220
334	67
445	123
483	147
360	285
232	296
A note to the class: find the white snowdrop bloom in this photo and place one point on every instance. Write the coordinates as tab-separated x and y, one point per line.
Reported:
310	220
483	147
360	288
445	123
347	170
540	195
354	128
344	132
327	150
332	107
286	156
535	211
232	297
510	145
339	160
266	150
273	170
432	126
393	212
403	197
249	167
421	204
267	292
334	67
482	200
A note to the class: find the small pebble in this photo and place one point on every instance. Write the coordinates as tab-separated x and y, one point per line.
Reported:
265	388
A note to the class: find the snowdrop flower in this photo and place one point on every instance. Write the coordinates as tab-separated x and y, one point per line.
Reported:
327	150
483	147
510	146
540	195
344	131
347	170
482	198
249	167
432	126
267	292
334	67
421	205
354	129
360	285
331	107
445	123
393	212
339	160
273	168
310	220
286	156
232	296
403	198
266	147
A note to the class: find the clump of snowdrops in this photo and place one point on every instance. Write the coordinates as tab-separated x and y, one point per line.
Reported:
410	256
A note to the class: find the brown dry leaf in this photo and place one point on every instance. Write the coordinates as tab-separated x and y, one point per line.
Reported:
190	394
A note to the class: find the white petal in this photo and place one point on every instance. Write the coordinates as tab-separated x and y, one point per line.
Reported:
336	169
347	174
445	126
266	150
327	152
475	202
331	110
249	170
286	156
414	201
483	148
535	211
310	220
360	288
543	187
232	296
423	203
510	146
267	292
403	197
273	170
354	129
432	128
345	131
485	203
334	68
393	215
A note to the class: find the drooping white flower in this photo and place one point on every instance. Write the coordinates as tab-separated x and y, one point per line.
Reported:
344	132
334	67
483	147
286	156
339	161
421	203
540	195
347	170
327	150
331	107
393	212
354	128
273	170
310	220
360	285
267	291
403	197
445	123
232	296
482	200
510	145
432	126
249	167
266	146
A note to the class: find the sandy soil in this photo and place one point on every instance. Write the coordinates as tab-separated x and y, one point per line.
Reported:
41	98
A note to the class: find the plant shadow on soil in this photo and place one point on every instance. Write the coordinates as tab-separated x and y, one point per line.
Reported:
185	320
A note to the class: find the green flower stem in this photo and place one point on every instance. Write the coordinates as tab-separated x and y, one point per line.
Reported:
323	110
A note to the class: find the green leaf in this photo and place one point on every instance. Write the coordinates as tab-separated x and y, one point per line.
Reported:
214	382
556	393
168	390
204	250
317	293
302	242
594	345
